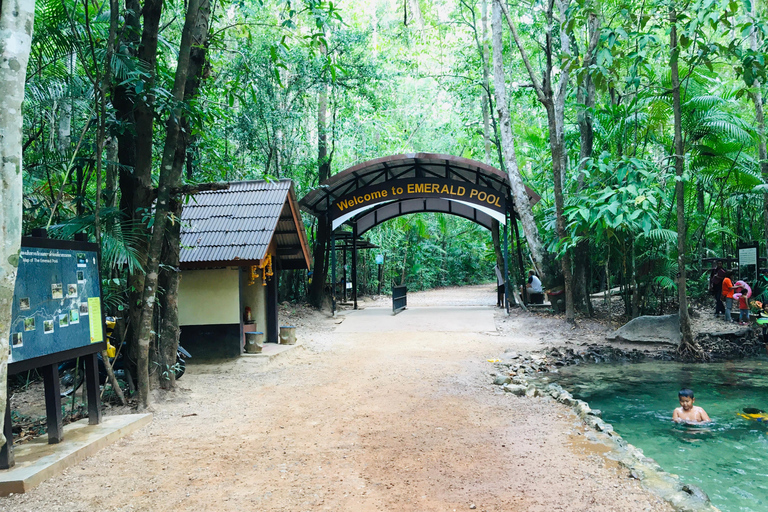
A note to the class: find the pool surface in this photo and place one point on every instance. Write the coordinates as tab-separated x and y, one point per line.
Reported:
727	458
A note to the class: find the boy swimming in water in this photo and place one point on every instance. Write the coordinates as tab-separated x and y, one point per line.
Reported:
687	412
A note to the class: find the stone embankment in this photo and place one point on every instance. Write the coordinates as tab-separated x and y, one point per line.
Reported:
525	375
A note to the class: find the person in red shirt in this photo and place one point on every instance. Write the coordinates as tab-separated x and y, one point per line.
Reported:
728	290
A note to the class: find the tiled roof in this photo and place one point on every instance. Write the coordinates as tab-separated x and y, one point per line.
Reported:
238	224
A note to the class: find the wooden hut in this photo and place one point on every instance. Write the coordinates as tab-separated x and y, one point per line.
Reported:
234	242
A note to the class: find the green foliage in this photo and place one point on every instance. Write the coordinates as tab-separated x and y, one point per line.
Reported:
397	89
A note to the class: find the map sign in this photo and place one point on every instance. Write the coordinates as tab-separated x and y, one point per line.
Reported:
57	299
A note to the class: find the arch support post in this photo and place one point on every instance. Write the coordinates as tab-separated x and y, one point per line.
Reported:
506	266
333	272
354	264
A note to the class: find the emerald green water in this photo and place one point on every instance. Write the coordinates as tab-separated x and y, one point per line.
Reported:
728	458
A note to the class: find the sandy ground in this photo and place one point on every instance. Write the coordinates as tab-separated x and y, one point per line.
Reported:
366	415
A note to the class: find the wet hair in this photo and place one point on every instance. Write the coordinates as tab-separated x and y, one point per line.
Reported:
685	393
728	274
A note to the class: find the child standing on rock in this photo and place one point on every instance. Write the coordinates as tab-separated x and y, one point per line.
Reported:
743	310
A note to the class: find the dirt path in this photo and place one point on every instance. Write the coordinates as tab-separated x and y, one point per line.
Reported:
355	420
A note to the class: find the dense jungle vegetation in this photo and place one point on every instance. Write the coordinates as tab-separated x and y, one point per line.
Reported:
638	122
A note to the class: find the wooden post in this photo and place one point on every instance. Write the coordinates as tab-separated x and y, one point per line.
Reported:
354	264
506	267
92	387
344	274
7	459
272	322
333	272
53	403
381	276
520	260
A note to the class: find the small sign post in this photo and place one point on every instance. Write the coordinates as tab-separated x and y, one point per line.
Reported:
748	263
380	263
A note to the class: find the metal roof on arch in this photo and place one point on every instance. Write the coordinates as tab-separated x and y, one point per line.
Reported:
414	167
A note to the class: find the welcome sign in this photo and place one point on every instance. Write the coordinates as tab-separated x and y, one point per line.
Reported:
419	188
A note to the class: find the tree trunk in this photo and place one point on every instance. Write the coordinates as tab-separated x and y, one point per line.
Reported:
416	18
686	343
521	201
168	176
168	337
555	118
169	275
585	97
134	146
16	20
486	82
554	103
323	238
757	100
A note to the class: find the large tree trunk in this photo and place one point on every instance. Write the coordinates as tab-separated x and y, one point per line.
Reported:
757	100
554	103
135	147
556	121
169	275
686	343
169	174
585	97
323	235
16	20
486	82
522	203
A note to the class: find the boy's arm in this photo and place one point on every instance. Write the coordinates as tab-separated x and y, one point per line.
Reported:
704	415
676	416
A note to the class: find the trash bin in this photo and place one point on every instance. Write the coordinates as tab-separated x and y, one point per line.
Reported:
287	335
557	299
254	341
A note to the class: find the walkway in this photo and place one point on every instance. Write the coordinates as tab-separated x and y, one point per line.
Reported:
374	414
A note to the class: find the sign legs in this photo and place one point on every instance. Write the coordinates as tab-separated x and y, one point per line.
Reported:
53	403
92	388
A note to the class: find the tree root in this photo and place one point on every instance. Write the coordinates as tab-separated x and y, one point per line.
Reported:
691	352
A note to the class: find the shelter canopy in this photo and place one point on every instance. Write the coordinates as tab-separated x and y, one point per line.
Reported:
240	225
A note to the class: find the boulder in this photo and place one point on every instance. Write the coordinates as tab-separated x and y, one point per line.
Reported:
500	380
650	329
515	389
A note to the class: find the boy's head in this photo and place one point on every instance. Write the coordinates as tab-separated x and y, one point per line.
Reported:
686	399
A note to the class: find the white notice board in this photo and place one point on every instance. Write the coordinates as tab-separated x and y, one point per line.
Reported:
748	256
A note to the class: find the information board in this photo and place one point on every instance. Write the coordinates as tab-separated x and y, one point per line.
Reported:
747	256
57	299
748	260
